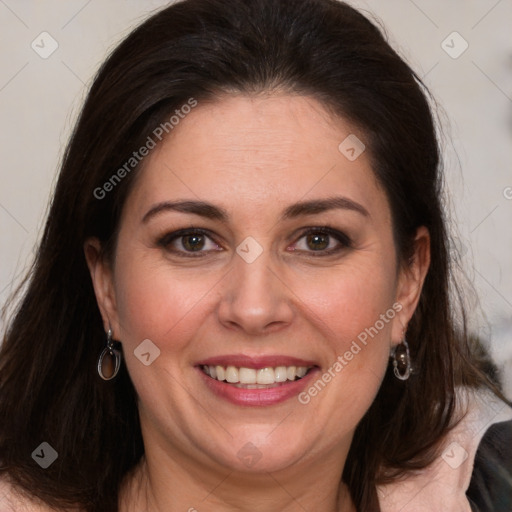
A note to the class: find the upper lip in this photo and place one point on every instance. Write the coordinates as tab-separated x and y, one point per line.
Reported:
256	362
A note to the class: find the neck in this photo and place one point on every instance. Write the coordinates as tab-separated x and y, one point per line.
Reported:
175	484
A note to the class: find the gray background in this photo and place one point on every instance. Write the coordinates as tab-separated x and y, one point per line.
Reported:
40	99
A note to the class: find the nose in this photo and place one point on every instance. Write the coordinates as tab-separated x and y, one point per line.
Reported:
255	298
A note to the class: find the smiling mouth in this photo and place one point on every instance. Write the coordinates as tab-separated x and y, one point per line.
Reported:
251	378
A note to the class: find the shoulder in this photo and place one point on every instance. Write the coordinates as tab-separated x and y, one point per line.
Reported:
490	489
13	500
471	462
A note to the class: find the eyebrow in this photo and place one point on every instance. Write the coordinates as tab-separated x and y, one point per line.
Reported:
201	208
322	205
302	208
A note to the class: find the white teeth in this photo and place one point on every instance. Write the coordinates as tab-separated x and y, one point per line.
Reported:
247	376
221	373
290	372
266	376
255	378
280	374
301	371
232	374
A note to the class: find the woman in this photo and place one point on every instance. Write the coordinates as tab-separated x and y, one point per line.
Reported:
240	301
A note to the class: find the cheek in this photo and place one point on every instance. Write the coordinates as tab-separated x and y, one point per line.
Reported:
351	299
152	304
354	310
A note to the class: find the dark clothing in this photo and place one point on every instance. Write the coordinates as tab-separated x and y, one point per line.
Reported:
490	489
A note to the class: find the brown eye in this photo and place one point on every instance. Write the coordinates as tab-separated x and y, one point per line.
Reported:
193	242
322	241
317	241
189	242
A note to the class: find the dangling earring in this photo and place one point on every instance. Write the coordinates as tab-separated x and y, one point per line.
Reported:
110	359
402	361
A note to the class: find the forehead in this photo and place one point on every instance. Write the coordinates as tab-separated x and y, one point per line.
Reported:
246	153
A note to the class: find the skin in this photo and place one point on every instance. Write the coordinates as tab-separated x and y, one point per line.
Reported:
253	157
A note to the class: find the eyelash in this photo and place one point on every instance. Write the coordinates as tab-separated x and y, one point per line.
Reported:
343	240
167	240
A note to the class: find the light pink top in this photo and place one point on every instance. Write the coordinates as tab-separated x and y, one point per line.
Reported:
443	484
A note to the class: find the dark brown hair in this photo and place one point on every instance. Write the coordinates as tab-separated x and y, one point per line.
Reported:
49	388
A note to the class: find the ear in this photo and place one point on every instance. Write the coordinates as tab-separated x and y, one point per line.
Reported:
103	283
410	282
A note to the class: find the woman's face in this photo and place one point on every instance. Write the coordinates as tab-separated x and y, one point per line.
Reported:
252	244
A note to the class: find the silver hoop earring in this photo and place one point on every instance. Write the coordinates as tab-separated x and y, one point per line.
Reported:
402	361
110	359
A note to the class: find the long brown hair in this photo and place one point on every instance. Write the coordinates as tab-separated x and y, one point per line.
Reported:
49	388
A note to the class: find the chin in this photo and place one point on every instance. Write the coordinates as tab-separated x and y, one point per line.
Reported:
262	450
